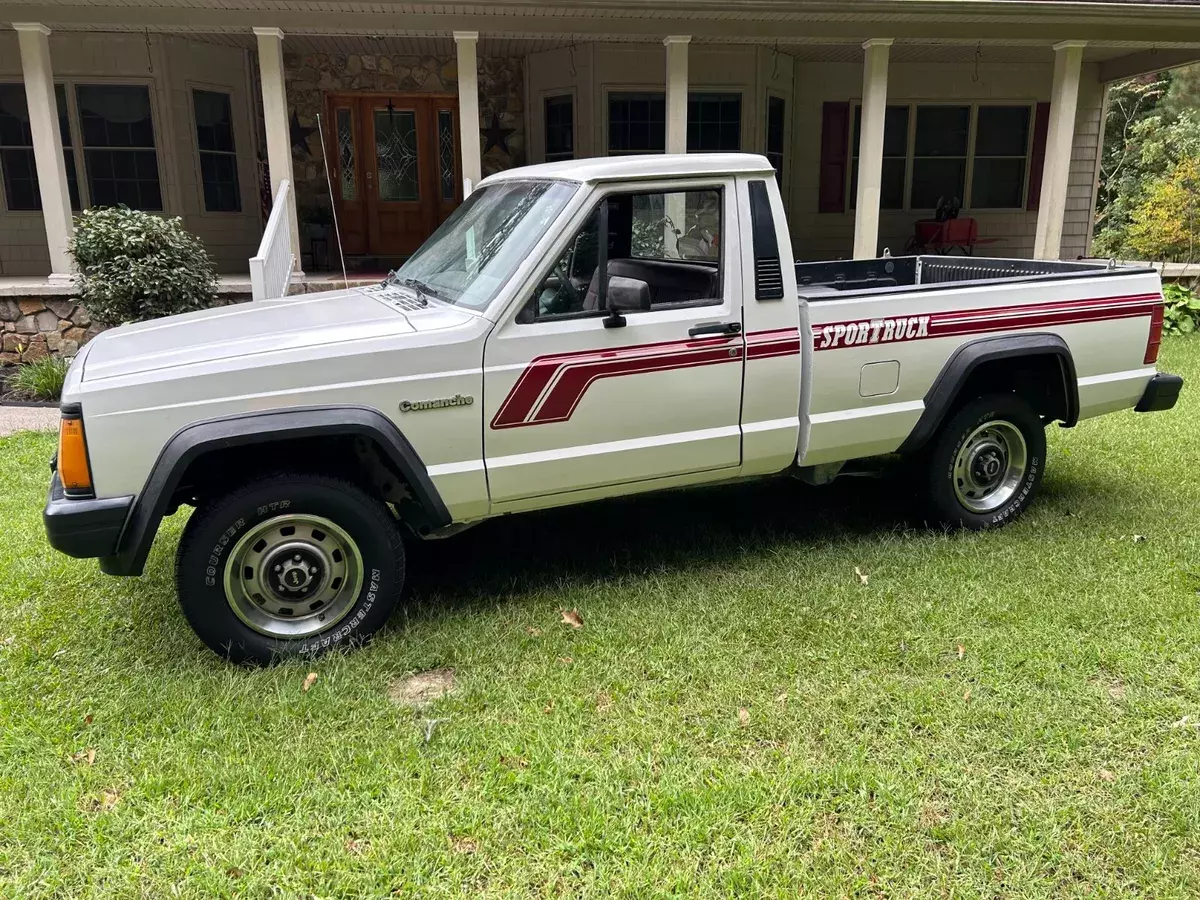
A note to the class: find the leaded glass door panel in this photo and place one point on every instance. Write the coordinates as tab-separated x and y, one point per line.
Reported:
343	140
398	171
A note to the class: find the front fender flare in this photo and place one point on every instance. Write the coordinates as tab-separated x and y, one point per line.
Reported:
193	441
966	359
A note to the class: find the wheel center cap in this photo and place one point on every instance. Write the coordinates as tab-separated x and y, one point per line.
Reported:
294	573
987	467
295	577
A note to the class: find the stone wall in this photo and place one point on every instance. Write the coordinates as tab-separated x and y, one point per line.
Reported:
312	75
32	328
35	327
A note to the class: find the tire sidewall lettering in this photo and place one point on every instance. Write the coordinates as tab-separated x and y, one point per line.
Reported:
324	641
213	569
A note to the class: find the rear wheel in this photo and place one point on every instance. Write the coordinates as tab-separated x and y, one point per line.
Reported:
986	464
290	565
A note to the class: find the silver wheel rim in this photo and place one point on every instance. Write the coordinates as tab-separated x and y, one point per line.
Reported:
293	576
990	466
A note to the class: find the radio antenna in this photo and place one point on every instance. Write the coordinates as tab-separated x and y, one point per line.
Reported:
337	232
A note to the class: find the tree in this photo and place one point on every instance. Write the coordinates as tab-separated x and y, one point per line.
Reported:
1153	127
1184	92
1167	223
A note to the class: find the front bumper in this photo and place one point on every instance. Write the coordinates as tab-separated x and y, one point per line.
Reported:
84	528
1161	393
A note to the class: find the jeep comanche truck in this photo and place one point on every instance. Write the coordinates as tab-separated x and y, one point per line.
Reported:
573	331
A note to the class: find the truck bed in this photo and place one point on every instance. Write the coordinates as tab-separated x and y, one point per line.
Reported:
852	276
884	329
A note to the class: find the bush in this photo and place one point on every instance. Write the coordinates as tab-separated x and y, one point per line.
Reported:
138	266
40	380
1181	314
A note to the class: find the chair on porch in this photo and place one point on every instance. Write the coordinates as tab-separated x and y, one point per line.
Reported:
945	236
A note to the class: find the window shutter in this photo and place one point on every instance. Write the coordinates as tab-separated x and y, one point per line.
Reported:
835	139
1037	156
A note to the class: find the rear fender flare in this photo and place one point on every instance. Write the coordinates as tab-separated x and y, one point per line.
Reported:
948	385
193	441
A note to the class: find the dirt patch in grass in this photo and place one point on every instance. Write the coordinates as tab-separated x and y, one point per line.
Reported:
419	690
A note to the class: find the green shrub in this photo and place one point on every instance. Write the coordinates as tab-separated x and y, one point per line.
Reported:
138	266
41	380
1181	314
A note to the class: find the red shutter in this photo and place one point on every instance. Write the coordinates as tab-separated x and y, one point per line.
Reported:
835	139
1037	156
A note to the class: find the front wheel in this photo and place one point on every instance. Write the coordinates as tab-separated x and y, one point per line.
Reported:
986	464
291	564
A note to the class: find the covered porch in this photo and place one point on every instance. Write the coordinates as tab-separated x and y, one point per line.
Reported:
872	119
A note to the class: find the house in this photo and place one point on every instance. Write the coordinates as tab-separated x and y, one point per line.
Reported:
870	110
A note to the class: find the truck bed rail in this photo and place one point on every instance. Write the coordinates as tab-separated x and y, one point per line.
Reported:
856	275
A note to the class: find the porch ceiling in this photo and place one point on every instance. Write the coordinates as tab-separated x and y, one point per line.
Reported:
1106	24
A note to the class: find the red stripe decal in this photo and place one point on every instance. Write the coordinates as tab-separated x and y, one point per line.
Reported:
778	342
892	329
551	387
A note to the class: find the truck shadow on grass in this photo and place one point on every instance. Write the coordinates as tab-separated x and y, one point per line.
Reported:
671	530
677	530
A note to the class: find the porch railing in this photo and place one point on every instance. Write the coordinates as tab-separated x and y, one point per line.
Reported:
271	269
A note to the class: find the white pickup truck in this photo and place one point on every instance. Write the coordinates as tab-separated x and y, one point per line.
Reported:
573	331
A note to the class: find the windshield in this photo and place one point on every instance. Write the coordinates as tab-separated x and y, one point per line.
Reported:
478	248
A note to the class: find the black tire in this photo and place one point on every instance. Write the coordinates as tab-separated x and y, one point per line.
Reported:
962	502
216	539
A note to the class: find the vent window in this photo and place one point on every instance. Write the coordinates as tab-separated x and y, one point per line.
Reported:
768	272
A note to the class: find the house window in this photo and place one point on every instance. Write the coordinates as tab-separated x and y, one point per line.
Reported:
776	118
714	123
1001	145
637	122
940	155
975	155
118	145
218	161
560	128
21	190
895	157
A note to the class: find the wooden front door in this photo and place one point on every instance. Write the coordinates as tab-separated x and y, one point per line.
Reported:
394	163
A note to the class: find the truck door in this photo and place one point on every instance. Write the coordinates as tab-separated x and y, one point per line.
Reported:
579	400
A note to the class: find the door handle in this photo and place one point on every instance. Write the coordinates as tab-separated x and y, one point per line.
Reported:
724	329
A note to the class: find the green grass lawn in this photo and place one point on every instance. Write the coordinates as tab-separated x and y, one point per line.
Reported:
1056	753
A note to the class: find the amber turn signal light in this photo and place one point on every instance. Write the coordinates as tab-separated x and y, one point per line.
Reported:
73	468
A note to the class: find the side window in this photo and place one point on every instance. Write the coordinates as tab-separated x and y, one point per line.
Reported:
668	240
677	225
565	288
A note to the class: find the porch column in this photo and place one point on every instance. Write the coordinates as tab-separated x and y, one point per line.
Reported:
468	108
278	128
34	41
1060	133
870	147
677	92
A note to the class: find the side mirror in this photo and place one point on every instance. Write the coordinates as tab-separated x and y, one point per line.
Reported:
625	295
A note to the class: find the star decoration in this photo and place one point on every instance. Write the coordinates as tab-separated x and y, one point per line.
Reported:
495	136
299	134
